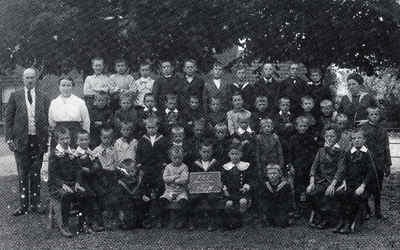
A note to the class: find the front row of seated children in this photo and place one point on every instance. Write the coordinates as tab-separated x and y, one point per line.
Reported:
136	192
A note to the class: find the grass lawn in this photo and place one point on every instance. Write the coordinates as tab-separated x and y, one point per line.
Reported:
30	232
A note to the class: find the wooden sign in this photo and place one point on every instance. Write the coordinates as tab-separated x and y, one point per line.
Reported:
205	182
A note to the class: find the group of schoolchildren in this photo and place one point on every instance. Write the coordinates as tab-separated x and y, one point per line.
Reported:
273	157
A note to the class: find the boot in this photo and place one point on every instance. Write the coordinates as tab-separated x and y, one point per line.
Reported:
339	226
378	212
323	222
346	229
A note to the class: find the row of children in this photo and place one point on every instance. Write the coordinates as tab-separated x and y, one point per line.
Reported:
252	166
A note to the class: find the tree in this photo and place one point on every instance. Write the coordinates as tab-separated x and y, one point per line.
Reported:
352	33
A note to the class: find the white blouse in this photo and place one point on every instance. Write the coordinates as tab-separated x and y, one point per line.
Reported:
70	109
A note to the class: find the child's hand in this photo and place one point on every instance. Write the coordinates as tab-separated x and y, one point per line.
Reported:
360	189
342	187
245	142
145	198
78	187
229	204
97	123
287	125
310	188
152	194
292	171
67	188
225	189
330	190
86	169
245	188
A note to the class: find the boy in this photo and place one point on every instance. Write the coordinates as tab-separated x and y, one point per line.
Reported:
237	178
126	146
96	82
307	105
377	142
90	167
276	198
315	88
149	110
100	114
215	114
327	113
127	197
221	142
342	124
195	141
126	112
192	113
246	138
216	88
204	164
284	126
294	88
142	86
164	85
120	82
244	88
268	86
259	113
151	158
171	116
64	181
189	86
302	150
326	172
354	192
233	115
268	148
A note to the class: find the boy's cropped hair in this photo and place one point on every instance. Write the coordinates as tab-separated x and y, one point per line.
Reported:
61	130
221	125
199	122
341	115
301	119
147	95
194	96
101	93
214	98
314	70
236	146
267	120
217	64
127	163
177	129
262	97
81	131
175	150
190	61
165	60
274	167
69	78
370	109
240	67
125	96
144	63
127	123
325	103
205	143
237	93
97	59
107	127
283	99
171	97
244	116
330	127
153	120
121	60
307	98
358	130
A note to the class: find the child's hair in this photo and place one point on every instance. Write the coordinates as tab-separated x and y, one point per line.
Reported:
166	61
314	70
100	94
143	63
107	128
147	95
302	119
244	116
358	130
61	130
97	59
127	163
221	125
261	98
67	78
120	60
240	67
175	150
199	122
341	115
214	98
127	123
189	61
370	109
306	98
194	96
81	131
267	120
283	99
151	120
325	103
329	127
237	93
125	96
205	143
170	97
274	167
236	146
177	129
217	64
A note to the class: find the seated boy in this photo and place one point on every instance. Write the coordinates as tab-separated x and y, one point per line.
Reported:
302	151
215	114
237	178
245	136
126	145
308	110
205	163
64	181
354	192
100	114
260	112
276	198
221	142
192	113
218	88
326	172
233	115
120	82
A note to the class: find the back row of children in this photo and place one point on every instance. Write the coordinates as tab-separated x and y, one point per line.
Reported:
267	138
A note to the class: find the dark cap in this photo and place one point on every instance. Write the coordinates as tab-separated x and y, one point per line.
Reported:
356	77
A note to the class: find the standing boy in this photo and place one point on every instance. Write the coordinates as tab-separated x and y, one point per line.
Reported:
165	84
96	82
216	88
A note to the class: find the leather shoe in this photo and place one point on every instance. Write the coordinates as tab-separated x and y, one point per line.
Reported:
19	212
65	232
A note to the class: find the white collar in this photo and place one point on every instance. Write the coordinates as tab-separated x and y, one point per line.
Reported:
241	166
281	113
153	109
362	149
61	149
177	144
334	146
268	80
242	131
169	76
80	150
241	86
32	90
167	110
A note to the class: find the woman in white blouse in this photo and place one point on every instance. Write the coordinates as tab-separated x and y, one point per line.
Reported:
69	111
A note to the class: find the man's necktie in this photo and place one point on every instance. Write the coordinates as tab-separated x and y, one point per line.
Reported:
29	96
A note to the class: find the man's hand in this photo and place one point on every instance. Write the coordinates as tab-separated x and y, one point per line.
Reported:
330	190
342	187
145	198
310	188
78	187
360	189
67	188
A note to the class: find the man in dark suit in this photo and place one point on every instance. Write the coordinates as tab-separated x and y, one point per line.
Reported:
26	132
269	87
294	88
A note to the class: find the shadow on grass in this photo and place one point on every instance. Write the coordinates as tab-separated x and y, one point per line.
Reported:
30	231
